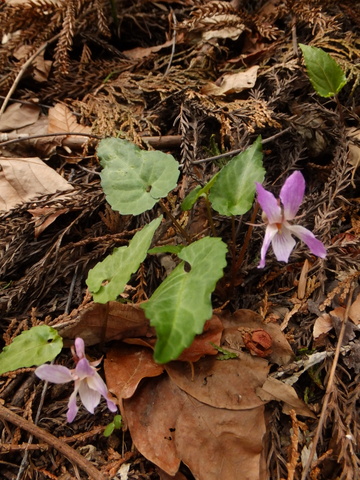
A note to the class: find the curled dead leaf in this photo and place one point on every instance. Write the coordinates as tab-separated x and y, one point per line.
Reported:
232	82
322	325
274	389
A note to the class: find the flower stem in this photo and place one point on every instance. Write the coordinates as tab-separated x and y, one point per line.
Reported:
174	222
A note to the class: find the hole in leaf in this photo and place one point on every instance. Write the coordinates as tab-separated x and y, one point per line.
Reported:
187	267
148	188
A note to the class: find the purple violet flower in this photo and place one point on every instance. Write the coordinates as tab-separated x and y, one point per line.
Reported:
279	231
88	382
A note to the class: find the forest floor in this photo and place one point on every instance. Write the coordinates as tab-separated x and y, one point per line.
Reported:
165	76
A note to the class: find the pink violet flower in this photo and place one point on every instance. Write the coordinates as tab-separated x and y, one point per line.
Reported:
278	230
87	382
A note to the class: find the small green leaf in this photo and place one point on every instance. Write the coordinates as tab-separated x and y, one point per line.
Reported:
192	197
325	74
116	269
36	346
109	429
118	421
180	306
234	189
133	179
166	249
226	355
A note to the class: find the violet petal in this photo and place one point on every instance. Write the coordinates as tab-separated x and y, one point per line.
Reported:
72	406
84	369
271	231
283	244
80	347
292	194
269	204
90	398
315	246
54	373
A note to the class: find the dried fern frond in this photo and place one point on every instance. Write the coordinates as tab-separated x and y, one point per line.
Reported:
214	16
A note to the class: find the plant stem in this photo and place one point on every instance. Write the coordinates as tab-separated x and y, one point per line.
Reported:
174	221
247	239
340	109
209	214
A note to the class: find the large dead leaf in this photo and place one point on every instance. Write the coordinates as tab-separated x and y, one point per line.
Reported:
24	179
169	426
229	384
245	321
109	321
126	366
202	344
18	115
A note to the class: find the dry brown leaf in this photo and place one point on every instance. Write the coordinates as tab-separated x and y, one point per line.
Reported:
274	389
109	321
232	82
201	344
142	52
243	321
61	119
353	135
24	179
354	311
229	384
45	216
169	426
165	476
18	115
322	325
126	365
40	68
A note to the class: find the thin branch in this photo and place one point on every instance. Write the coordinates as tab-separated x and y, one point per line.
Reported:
23	70
59	445
239	150
329	388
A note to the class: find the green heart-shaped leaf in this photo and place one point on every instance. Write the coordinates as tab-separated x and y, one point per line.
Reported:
133	179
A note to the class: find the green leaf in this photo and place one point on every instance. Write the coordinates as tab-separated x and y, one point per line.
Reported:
133	179
180	306
109	429
325	74
234	189
166	249
118	421
192	197
118	267
226	355
36	346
